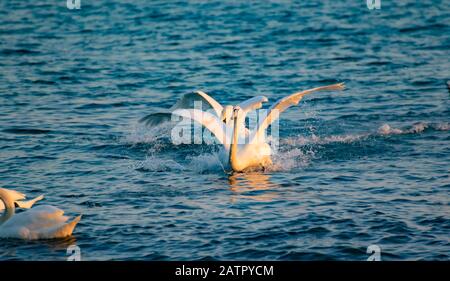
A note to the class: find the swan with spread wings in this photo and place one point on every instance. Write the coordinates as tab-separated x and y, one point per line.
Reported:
244	147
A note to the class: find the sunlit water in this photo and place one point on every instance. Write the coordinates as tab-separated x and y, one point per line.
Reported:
369	165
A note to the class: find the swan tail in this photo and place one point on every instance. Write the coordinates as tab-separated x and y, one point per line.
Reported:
64	230
28	204
69	227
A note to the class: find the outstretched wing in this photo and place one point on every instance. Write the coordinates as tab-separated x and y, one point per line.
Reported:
28	204
155	119
208	120
287	102
253	103
186	102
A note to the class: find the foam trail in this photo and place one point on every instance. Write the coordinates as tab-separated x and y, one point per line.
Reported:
416	128
314	139
444	126
383	130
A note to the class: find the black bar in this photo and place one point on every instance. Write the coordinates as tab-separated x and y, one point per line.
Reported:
224	270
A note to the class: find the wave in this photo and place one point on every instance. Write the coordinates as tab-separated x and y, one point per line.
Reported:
383	130
26	131
416	128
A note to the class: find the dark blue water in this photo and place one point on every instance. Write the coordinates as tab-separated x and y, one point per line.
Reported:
369	165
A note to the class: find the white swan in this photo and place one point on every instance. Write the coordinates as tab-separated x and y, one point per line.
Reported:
19	203
208	103
41	222
240	153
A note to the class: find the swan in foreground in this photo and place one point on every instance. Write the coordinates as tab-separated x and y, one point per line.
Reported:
188	101
41	222
19	203
244	151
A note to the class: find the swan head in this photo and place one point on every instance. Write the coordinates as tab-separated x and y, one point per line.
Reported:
5	196
227	113
236	111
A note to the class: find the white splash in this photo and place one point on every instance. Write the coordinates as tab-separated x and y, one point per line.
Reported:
416	128
293	153
142	134
205	162
444	126
290	159
385	129
156	164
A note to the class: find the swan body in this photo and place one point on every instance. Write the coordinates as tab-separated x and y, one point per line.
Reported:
242	147
41	222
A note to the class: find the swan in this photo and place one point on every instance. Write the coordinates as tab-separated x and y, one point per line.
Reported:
244	151
208	103
17	196
41	222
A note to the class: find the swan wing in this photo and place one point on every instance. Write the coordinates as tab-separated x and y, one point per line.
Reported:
208	120
28	204
287	102
187	101
20	203
248	106
37	217
252	103
156	118
57	231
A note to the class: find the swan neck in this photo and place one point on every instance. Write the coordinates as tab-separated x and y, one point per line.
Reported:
234	144
9	207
